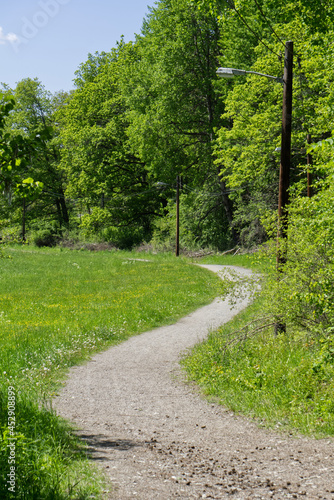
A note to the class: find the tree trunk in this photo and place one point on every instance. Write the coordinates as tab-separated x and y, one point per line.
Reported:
228	209
64	217
24	209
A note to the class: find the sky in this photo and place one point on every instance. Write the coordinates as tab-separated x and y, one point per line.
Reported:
49	39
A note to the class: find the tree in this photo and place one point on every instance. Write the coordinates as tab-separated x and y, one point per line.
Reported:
90	69
105	175
317	14
17	189
32	119
174	106
246	146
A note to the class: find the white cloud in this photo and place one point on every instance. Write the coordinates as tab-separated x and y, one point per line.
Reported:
10	37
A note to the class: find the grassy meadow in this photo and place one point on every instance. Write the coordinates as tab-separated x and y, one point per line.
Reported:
57	307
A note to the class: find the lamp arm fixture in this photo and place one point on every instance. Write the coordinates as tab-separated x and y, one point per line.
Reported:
231	72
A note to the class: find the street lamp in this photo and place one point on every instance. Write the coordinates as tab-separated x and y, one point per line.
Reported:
284	175
232	72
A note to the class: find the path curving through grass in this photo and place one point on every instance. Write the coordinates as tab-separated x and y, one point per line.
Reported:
156	438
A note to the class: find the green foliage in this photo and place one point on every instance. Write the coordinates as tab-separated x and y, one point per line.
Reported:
261	14
13	151
123	130
246	146
124	238
35	185
202	223
44	234
248	218
49	459
174	107
284	382
152	109
99	223
89	70
105	176
303	293
44	238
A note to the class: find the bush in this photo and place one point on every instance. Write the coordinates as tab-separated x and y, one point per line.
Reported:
100	224
44	238
124	238
304	294
11	233
44	234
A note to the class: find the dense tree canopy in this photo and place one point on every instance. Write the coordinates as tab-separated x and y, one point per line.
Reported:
33	116
147	111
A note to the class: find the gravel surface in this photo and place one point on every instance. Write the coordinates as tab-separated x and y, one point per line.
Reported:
157	438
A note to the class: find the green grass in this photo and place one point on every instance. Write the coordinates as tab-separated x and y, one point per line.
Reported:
284	382
57	307
50	462
253	261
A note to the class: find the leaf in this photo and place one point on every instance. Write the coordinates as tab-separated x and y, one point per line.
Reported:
29	180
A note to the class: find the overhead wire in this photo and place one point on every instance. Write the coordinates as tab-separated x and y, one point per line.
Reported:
231	5
268	22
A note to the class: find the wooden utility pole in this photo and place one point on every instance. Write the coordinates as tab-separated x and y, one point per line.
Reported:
284	174
177	248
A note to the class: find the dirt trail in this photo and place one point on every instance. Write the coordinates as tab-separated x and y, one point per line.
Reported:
157	439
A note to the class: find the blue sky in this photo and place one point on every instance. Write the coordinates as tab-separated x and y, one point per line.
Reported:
48	39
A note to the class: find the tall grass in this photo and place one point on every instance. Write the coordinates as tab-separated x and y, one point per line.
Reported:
284	382
57	307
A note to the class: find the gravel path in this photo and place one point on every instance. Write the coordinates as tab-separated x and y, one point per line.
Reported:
156	438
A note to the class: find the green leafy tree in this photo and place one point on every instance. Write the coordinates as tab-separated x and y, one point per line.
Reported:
247	145
174	106
107	179
317	14
32	122
90	69
16	188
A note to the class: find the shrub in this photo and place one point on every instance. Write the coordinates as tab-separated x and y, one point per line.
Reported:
303	293
44	238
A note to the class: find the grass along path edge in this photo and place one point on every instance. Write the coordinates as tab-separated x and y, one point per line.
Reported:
285	383
57	308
